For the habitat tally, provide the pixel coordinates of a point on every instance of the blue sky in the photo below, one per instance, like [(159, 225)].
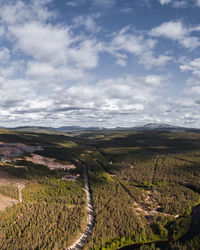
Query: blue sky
[(100, 63)]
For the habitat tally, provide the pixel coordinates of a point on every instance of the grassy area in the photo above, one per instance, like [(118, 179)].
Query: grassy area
[(10, 191)]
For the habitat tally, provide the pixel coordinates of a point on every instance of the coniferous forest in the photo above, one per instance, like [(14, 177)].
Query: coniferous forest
[(145, 189)]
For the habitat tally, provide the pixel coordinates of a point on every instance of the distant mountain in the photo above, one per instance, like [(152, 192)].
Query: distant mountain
[(161, 126), (52, 129), (149, 126), (77, 128), (32, 128)]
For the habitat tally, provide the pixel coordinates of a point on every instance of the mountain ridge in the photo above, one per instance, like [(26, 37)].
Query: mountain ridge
[(147, 126)]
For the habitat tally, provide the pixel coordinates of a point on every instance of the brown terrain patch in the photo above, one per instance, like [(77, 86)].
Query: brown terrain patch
[(145, 208), (6, 202), (8, 150), (7, 179), (50, 162)]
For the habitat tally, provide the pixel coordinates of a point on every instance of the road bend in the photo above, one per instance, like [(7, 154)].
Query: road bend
[(80, 243)]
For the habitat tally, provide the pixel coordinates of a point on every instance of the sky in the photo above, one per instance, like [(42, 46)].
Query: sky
[(105, 63)]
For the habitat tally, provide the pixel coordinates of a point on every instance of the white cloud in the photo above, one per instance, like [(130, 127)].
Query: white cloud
[(126, 40), (179, 4), (73, 4), (172, 30), (153, 80), (174, 3), (193, 66), (175, 30), (52, 67), (104, 3), (149, 60), (45, 72), (88, 22), (2, 31), (55, 40), (121, 60), (165, 1), (129, 41), (86, 54), (59, 46), (4, 55), (20, 12), (112, 94), (123, 96), (198, 3)]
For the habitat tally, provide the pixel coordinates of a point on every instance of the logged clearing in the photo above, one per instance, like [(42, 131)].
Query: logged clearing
[(8, 150), (50, 162), (6, 202), (7, 179)]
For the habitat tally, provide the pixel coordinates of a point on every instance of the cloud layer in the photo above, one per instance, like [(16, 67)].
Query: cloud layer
[(77, 70)]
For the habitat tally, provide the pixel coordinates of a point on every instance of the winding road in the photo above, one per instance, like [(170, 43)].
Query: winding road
[(80, 243)]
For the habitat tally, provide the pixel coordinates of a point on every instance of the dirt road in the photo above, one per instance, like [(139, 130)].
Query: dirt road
[(79, 243), (20, 192)]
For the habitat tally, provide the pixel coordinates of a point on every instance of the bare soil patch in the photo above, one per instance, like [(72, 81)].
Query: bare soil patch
[(50, 162), (8, 150), (6, 202), (7, 179)]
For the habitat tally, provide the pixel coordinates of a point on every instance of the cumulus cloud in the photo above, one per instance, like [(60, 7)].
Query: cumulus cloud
[(193, 66), (122, 96), (180, 3), (153, 80), (165, 1), (4, 55), (54, 67), (20, 12), (46, 72), (172, 30), (54, 41), (88, 22), (129, 41), (176, 31)]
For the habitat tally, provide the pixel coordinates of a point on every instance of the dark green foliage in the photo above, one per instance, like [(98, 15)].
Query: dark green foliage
[(131, 173), (40, 225), (52, 213), (179, 227)]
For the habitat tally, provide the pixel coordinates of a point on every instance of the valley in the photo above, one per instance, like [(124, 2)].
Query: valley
[(100, 189)]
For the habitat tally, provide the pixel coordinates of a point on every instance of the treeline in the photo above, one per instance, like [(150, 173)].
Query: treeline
[(31, 170)]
